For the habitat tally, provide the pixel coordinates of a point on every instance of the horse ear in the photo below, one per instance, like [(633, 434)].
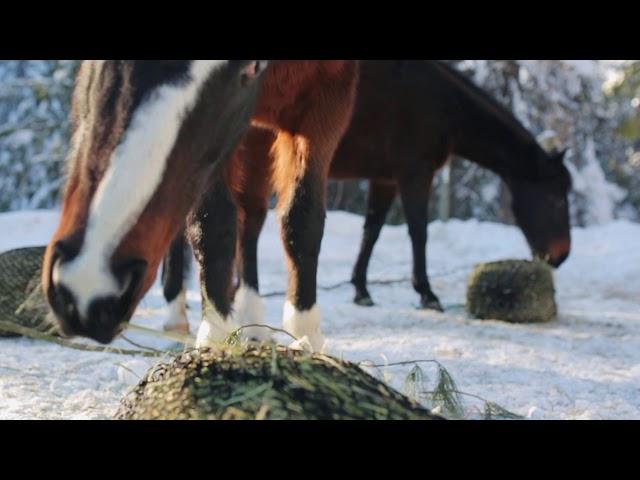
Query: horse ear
[(253, 69), (558, 155)]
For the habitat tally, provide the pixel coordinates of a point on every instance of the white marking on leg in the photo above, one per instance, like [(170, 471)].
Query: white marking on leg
[(248, 309), (177, 319), (214, 329), (304, 325), (135, 171)]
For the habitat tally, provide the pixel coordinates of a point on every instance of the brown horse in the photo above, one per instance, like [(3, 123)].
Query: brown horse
[(409, 117), (149, 149)]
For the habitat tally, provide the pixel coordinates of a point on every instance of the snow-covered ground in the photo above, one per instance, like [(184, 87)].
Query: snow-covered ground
[(586, 365)]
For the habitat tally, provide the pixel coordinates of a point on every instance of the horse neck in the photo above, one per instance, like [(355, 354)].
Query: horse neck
[(496, 150)]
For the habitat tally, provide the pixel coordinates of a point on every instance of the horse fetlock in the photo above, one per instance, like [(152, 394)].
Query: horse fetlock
[(248, 309), (177, 319), (215, 329), (304, 325)]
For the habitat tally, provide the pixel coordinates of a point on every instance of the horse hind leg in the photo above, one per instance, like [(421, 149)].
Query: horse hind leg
[(302, 217), (252, 199), (415, 200), (175, 272), (303, 152), (248, 308), (381, 196)]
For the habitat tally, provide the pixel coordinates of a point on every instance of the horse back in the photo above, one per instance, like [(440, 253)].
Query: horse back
[(404, 113)]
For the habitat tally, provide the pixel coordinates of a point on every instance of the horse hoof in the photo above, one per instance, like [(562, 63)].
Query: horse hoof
[(364, 301), (431, 305)]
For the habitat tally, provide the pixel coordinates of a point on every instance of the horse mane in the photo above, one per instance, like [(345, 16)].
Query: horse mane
[(549, 167), (499, 111)]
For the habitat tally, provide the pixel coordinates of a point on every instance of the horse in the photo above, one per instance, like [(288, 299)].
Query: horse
[(409, 118), (150, 148)]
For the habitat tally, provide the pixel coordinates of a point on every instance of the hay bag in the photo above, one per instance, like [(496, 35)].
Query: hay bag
[(264, 382), (21, 298), (515, 291)]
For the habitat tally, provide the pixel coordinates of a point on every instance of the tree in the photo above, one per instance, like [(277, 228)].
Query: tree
[(34, 130)]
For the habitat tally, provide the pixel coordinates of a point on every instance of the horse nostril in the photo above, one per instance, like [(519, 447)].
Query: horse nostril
[(66, 301), (64, 306), (104, 318), (64, 251), (130, 274)]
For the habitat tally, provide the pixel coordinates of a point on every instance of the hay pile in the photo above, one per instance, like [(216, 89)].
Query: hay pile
[(21, 298), (264, 382), (515, 291)]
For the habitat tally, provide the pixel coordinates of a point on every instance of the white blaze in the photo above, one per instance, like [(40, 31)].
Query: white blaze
[(135, 171)]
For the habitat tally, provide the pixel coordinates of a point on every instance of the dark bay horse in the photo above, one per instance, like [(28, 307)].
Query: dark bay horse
[(151, 146), (409, 118)]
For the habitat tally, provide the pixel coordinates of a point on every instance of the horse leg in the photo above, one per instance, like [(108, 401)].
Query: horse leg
[(248, 308), (212, 231), (381, 196), (415, 200), (175, 271), (252, 198), (302, 216)]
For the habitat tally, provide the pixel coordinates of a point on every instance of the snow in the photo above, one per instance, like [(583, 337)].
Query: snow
[(600, 195), (586, 365)]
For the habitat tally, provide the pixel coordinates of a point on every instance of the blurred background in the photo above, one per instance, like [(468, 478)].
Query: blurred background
[(591, 107)]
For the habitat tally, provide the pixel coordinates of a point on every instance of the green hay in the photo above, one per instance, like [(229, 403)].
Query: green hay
[(21, 298), (512, 290), (446, 397), (264, 382), (493, 411), (414, 384)]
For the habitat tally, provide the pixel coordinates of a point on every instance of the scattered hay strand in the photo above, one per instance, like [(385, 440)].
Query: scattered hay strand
[(19, 330)]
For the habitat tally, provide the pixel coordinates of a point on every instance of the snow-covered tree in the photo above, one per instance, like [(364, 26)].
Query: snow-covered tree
[(590, 107), (34, 110), (622, 89), (563, 104)]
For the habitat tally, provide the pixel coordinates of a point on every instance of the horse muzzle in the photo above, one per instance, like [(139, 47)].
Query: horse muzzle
[(556, 254), (101, 318)]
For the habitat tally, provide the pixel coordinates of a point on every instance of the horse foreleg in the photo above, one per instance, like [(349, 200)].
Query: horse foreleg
[(175, 271), (381, 196), (212, 231), (415, 194)]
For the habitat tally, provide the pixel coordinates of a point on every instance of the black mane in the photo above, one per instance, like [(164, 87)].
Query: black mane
[(550, 166), (483, 97)]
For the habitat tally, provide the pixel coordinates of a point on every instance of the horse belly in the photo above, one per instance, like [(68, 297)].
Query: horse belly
[(360, 164)]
